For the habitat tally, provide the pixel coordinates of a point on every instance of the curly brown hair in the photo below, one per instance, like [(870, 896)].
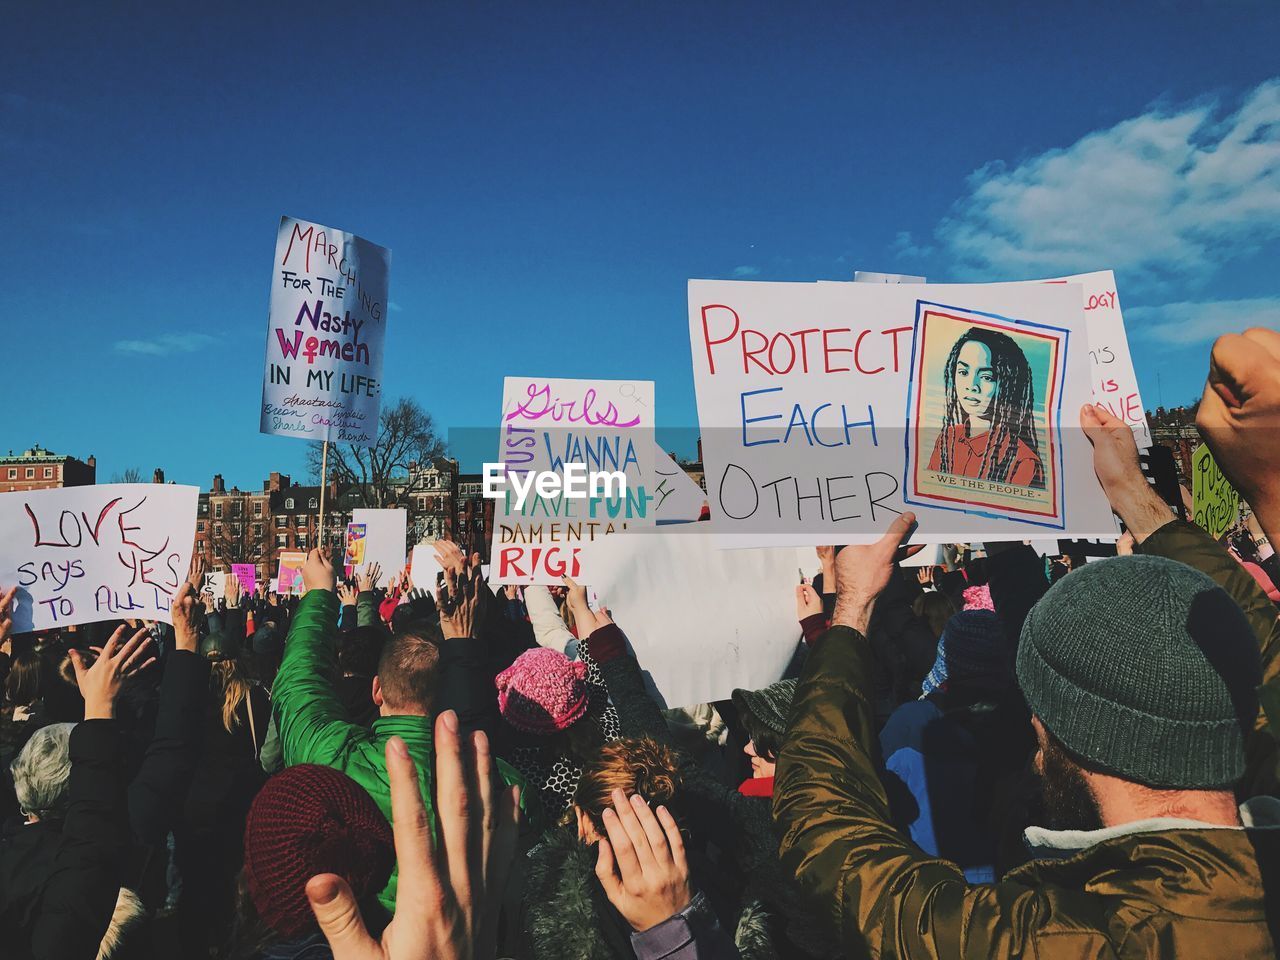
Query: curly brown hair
[(639, 765)]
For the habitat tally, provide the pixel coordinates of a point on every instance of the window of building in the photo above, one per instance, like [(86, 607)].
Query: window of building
[(282, 540), (217, 510), (31, 472), (199, 526), (257, 529), (302, 541), (217, 529), (48, 473), (280, 522), (13, 473), (235, 508), (257, 508), (313, 504), (288, 504)]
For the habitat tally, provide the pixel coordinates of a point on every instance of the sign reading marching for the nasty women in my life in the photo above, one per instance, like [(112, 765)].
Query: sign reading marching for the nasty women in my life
[(606, 426), (323, 377), (83, 554), (826, 409)]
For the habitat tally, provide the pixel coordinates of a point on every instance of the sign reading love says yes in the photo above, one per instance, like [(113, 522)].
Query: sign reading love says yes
[(83, 554)]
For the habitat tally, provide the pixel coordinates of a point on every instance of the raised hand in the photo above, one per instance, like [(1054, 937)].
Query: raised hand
[(1115, 461), (862, 572), (6, 619), (231, 590), (807, 601), (102, 682), (1239, 417), (576, 598), (347, 594), (642, 865), (449, 554), (459, 598), (447, 899), (317, 572), (186, 633)]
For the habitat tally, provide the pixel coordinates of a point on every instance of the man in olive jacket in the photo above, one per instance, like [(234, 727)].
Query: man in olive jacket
[(1140, 674)]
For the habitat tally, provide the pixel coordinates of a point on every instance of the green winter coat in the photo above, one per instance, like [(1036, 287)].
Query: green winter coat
[(1152, 889), (314, 727)]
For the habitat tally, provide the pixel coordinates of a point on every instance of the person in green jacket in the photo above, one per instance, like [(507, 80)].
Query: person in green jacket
[(314, 727), (1140, 674)]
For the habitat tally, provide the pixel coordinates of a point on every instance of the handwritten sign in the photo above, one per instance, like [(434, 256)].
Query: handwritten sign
[(83, 554), (1216, 502), (215, 584), (1115, 384), (289, 573), (323, 377), (605, 425), (247, 574), (826, 409)]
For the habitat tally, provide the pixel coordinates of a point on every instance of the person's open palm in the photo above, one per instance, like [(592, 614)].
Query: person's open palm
[(102, 682), (642, 865), (862, 572), (317, 572), (448, 897)]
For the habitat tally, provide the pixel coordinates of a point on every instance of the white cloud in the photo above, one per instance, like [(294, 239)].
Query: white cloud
[(904, 245), (166, 344), (1167, 196), (394, 307), (746, 271), (1184, 324)]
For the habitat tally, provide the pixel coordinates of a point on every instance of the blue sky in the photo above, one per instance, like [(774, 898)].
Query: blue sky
[(548, 176)]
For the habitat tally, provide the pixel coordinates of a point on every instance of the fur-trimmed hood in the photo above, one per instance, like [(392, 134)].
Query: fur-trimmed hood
[(568, 917)]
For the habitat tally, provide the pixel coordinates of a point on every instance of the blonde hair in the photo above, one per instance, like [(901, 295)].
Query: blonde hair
[(232, 688), (639, 765)]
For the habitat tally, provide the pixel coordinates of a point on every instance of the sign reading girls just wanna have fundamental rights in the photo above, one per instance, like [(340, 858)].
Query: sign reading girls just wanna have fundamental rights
[(323, 374)]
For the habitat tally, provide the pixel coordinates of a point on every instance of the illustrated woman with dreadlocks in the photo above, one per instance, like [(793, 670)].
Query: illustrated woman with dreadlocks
[(987, 430)]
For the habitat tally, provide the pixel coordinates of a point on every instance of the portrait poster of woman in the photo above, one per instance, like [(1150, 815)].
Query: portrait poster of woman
[(982, 431)]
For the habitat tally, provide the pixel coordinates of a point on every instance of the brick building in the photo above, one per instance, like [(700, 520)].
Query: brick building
[(41, 469), (429, 494)]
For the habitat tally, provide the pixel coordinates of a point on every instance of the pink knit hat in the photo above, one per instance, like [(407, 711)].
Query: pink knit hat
[(978, 598), (543, 691)]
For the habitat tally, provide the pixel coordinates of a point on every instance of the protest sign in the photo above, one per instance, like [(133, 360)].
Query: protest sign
[(215, 584), (676, 498), (83, 554), (323, 376), (423, 566), (825, 409), (1115, 384), (247, 574), (727, 618), (353, 555), (289, 574), (1215, 501), (604, 425), (385, 536)]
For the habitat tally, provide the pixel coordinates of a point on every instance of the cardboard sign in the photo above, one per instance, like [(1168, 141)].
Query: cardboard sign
[(826, 409), (289, 574), (84, 554), (353, 556), (606, 425), (385, 535), (247, 574), (323, 376), (1216, 502)]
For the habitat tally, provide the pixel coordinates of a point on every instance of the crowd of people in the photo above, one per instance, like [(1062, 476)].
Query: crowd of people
[(1000, 757)]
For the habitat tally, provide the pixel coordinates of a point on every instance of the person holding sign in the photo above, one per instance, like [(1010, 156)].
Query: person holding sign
[(1149, 854)]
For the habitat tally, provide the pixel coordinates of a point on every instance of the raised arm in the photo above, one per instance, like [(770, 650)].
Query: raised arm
[(313, 726)]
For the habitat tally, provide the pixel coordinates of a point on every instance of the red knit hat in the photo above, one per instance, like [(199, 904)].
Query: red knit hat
[(307, 820), (543, 691)]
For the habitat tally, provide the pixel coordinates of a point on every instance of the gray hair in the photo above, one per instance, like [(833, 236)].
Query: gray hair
[(42, 772)]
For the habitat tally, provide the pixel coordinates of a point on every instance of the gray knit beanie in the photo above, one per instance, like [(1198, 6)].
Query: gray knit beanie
[(1146, 668)]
